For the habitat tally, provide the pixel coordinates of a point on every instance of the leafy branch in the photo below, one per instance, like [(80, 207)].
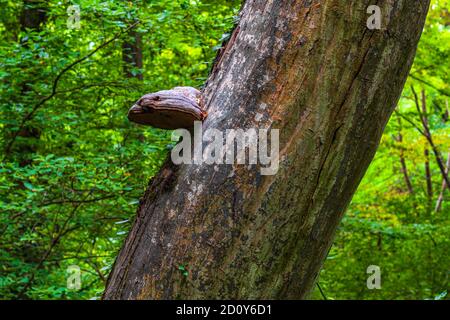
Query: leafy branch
[(54, 91)]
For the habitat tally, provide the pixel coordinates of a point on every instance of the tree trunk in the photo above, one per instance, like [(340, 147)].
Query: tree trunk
[(132, 55), (443, 187), (404, 167), (32, 17), (426, 132), (426, 153), (313, 70), (447, 169), (34, 13), (428, 178)]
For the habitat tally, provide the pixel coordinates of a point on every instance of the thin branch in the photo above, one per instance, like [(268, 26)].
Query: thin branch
[(54, 92), (91, 85), (63, 231), (443, 92), (76, 201), (321, 291), (78, 258), (415, 126)]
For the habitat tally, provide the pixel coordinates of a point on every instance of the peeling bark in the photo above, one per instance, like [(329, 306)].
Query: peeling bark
[(313, 70)]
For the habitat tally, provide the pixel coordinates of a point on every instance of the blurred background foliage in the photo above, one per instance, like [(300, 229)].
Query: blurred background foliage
[(73, 168), (394, 220)]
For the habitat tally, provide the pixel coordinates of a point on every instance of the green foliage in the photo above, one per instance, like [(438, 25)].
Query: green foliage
[(73, 167), (385, 224), (71, 179)]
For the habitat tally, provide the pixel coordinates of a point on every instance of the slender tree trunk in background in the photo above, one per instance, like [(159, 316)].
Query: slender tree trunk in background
[(426, 152), (428, 179), (443, 187), (132, 51), (427, 134), (32, 17), (34, 13), (404, 168), (132, 55), (447, 170), (315, 71), (405, 174)]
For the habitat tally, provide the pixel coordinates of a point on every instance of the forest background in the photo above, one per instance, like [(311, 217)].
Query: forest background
[(73, 167)]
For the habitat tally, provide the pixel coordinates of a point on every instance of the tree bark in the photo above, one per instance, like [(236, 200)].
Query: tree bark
[(404, 167), (313, 70)]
